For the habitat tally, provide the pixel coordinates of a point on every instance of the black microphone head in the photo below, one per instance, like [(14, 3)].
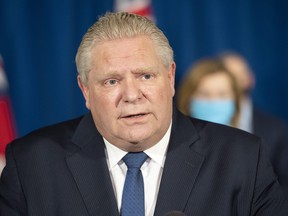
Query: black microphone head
[(175, 213)]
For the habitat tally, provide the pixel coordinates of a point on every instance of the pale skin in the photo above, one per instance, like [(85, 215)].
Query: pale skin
[(129, 93), (214, 86)]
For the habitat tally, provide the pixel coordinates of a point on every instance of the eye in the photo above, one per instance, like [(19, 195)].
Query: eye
[(111, 82), (147, 76)]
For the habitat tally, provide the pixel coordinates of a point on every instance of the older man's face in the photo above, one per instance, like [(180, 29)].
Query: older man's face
[(130, 93)]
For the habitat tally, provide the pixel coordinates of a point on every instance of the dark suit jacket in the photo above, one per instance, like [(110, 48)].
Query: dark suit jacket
[(209, 170), (275, 134)]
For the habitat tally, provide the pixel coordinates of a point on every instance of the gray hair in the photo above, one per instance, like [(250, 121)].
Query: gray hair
[(120, 25)]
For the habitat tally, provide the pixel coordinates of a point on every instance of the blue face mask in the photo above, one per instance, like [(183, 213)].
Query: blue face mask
[(218, 111)]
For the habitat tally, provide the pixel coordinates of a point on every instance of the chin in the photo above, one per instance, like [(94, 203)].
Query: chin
[(135, 139)]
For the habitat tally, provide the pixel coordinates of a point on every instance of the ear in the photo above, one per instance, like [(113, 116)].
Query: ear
[(85, 91), (171, 77)]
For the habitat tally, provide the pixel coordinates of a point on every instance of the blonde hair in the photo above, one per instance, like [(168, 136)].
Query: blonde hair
[(120, 25), (195, 74)]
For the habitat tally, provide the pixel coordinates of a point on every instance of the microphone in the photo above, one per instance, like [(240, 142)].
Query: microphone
[(175, 213)]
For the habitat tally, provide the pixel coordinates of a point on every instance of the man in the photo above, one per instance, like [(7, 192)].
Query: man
[(126, 73), (255, 121)]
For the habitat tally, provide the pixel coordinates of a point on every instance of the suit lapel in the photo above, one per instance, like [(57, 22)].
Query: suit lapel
[(90, 171), (181, 167)]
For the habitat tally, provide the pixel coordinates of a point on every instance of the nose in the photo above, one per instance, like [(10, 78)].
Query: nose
[(131, 91)]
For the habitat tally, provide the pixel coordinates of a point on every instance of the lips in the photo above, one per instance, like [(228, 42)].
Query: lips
[(134, 115)]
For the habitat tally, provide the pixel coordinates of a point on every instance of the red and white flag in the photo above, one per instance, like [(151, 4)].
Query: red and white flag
[(141, 7), (7, 126)]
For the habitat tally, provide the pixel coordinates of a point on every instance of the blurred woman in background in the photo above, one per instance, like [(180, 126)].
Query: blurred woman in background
[(210, 92)]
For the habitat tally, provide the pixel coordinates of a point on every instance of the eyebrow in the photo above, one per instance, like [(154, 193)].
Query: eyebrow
[(144, 69)]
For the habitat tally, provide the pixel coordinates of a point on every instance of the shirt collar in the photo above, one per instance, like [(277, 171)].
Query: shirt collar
[(156, 152)]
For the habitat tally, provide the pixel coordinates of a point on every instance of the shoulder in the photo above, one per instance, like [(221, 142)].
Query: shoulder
[(269, 127), (211, 137), (55, 136), (210, 129), (263, 118), (228, 148), (219, 141)]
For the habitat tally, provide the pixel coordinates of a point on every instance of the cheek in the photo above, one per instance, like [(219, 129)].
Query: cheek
[(104, 102), (102, 109), (162, 94)]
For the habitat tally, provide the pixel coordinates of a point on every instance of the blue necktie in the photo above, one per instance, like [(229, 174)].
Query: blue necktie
[(133, 192)]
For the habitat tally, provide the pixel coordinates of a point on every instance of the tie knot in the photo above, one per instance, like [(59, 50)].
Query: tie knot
[(135, 159)]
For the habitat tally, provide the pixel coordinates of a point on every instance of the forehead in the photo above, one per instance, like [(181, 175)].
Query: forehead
[(216, 81), (139, 48)]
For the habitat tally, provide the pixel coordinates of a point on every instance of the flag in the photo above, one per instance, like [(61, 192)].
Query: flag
[(7, 126), (141, 7)]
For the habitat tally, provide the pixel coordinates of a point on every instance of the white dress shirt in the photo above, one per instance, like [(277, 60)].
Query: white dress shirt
[(151, 170)]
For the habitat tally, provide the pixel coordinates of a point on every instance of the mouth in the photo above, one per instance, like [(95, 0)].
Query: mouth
[(138, 115)]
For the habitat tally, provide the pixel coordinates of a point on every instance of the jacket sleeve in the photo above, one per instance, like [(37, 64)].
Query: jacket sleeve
[(268, 197), (12, 200)]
